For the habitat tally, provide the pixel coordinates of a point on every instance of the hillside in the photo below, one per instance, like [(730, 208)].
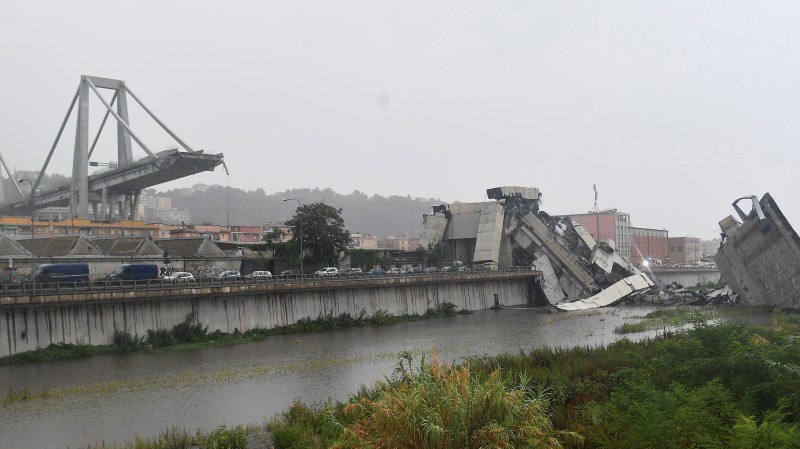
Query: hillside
[(394, 215)]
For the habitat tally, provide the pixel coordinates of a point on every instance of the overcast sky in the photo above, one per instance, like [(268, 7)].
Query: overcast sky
[(673, 108)]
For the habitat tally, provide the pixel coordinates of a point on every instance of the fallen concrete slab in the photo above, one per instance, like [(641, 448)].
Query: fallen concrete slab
[(621, 289)]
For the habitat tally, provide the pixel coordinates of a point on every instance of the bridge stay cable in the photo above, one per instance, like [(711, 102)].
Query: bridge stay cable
[(58, 137)]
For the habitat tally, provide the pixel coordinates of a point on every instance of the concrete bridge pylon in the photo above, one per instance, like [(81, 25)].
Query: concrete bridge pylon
[(113, 193)]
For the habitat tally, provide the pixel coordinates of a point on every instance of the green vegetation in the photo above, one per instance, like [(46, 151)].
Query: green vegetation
[(726, 386), (435, 255), (667, 318), (367, 259), (221, 438), (432, 406), (322, 229), (191, 334)]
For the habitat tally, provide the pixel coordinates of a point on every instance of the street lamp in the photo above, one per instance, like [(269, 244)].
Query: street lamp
[(300, 219), (33, 241)]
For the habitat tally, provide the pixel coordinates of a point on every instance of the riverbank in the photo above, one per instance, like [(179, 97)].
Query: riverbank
[(119, 397), (191, 335), (728, 385)]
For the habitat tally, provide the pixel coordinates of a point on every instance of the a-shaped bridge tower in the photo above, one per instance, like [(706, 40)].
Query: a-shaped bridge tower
[(113, 193)]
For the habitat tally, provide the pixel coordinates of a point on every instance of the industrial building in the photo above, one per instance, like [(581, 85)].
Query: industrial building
[(608, 224), (649, 245), (685, 250)]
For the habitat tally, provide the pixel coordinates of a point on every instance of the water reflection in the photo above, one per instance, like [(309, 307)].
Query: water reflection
[(121, 396)]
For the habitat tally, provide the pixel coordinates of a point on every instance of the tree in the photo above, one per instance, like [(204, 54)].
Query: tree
[(322, 231), (274, 238), (434, 255)]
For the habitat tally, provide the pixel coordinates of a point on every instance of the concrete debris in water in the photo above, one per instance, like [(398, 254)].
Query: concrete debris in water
[(512, 231), (759, 258), (676, 294)]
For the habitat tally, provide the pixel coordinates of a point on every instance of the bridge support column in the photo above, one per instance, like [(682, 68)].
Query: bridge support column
[(80, 162), (135, 205)]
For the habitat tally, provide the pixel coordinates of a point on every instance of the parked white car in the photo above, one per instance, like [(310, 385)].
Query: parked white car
[(179, 276), (259, 275), (327, 272)]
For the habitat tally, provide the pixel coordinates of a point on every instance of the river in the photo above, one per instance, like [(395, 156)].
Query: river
[(117, 397)]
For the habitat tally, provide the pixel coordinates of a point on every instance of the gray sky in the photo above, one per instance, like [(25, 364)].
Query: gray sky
[(673, 109)]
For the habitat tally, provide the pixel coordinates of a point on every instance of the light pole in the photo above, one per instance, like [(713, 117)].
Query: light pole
[(300, 219), (33, 240)]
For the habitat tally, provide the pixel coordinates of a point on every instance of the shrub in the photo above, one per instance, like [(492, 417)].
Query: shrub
[(302, 428), (227, 438), (772, 433), (160, 338), (189, 331), (126, 341), (448, 407)]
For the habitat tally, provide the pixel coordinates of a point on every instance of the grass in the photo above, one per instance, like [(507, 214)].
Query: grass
[(190, 334), (666, 318), (222, 437)]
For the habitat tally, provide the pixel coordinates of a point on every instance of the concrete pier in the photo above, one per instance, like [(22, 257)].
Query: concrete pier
[(31, 322)]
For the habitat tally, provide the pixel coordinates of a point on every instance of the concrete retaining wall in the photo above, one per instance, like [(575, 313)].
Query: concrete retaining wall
[(696, 277), (93, 320)]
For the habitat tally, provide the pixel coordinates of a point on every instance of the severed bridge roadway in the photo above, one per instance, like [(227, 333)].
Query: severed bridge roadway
[(147, 172)]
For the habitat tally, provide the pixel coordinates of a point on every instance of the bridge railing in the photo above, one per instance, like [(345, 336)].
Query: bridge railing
[(55, 288)]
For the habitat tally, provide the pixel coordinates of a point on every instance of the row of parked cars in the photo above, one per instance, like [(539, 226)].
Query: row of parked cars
[(232, 275), (79, 273), (378, 271)]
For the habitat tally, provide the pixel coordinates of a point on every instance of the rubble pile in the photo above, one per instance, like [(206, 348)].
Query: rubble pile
[(676, 294), (577, 272)]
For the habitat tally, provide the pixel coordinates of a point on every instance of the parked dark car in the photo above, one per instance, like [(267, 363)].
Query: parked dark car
[(61, 273), (289, 274), (355, 272), (228, 276), (377, 272), (432, 270), (134, 272)]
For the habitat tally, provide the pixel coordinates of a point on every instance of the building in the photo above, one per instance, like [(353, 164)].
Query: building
[(363, 241), (651, 245), (709, 248), (285, 231), (74, 226), (172, 215), (399, 243), (612, 225), (247, 234), (684, 250)]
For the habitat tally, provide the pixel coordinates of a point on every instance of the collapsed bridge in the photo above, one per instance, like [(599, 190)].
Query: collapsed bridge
[(116, 190), (577, 271)]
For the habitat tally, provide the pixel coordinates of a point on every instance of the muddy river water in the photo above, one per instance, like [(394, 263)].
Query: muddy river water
[(116, 397)]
